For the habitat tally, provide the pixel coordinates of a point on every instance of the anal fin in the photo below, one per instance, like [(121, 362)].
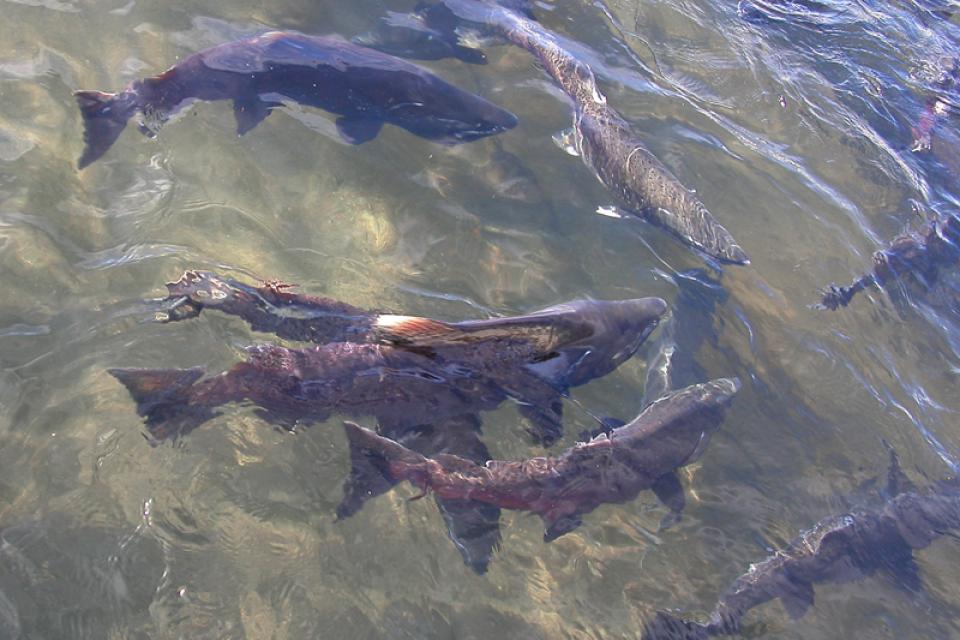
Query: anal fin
[(357, 129), (669, 491), (250, 111), (555, 525)]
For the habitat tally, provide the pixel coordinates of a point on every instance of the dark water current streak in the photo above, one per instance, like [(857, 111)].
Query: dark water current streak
[(231, 533)]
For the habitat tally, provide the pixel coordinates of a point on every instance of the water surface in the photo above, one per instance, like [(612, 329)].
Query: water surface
[(796, 135)]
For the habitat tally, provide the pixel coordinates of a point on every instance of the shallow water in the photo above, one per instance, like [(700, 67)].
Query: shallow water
[(795, 133)]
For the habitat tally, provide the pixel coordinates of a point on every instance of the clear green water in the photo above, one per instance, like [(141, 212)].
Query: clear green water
[(231, 533)]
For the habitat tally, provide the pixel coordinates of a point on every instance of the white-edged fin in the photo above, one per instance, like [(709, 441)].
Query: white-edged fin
[(610, 211), (566, 140)]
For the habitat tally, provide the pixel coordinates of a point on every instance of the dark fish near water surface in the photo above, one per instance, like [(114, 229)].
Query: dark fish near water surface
[(919, 255), (365, 87), (612, 467), (837, 549), (642, 184)]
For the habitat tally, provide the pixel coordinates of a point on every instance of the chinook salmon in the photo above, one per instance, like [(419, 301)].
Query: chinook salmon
[(837, 549), (423, 380), (612, 467), (416, 374), (919, 255), (641, 183), (365, 87)]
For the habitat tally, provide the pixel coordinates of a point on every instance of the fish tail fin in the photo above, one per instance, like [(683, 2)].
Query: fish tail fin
[(665, 626), (163, 397), (105, 116), (370, 469)]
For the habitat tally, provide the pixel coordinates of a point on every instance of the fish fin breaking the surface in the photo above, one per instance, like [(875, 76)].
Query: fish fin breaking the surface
[(163, 398), (358, 130), (250, 111), (105, 116)]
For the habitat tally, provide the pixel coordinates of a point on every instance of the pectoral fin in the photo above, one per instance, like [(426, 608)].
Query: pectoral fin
[(556, 525), (357, 130), (669, 491), (566, 140), (250, 111)]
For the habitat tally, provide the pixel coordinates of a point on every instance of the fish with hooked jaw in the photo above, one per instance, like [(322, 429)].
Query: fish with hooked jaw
[(837, 549), (612, 467), (365, 87)]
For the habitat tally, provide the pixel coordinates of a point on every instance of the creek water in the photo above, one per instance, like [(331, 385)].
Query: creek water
[(793, 127)]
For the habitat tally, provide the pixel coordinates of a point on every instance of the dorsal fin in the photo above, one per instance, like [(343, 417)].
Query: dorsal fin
[(544, 331)]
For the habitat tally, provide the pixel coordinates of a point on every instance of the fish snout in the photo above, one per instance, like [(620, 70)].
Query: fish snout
[(200, 287)]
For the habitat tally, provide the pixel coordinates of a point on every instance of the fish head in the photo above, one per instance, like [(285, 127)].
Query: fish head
[(674, 430), (609, 332), (197, 289), (449, 115)]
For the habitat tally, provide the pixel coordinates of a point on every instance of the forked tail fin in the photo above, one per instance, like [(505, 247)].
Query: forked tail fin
[(163, 397), (665, 626), (370, 472), (105, 116)]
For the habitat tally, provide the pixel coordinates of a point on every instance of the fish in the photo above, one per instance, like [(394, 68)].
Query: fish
[(413, 375), (364, 87), (920, 255), (414, 36), (838, 549), (604, 140), (434, 32), (611, 468), (371, 363), (937, 106), (567, 344)]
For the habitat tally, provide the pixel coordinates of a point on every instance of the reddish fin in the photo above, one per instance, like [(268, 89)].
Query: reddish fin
[(105, 116), (542, 330), (163, 397)]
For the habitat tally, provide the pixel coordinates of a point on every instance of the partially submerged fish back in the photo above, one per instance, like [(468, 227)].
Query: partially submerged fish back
[(703, 402)]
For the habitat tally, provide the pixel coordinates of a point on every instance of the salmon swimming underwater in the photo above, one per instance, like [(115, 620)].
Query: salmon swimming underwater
[(837, 549), (641, 183), (610, 468), (365, 87), (423, 380), (919, 255)]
